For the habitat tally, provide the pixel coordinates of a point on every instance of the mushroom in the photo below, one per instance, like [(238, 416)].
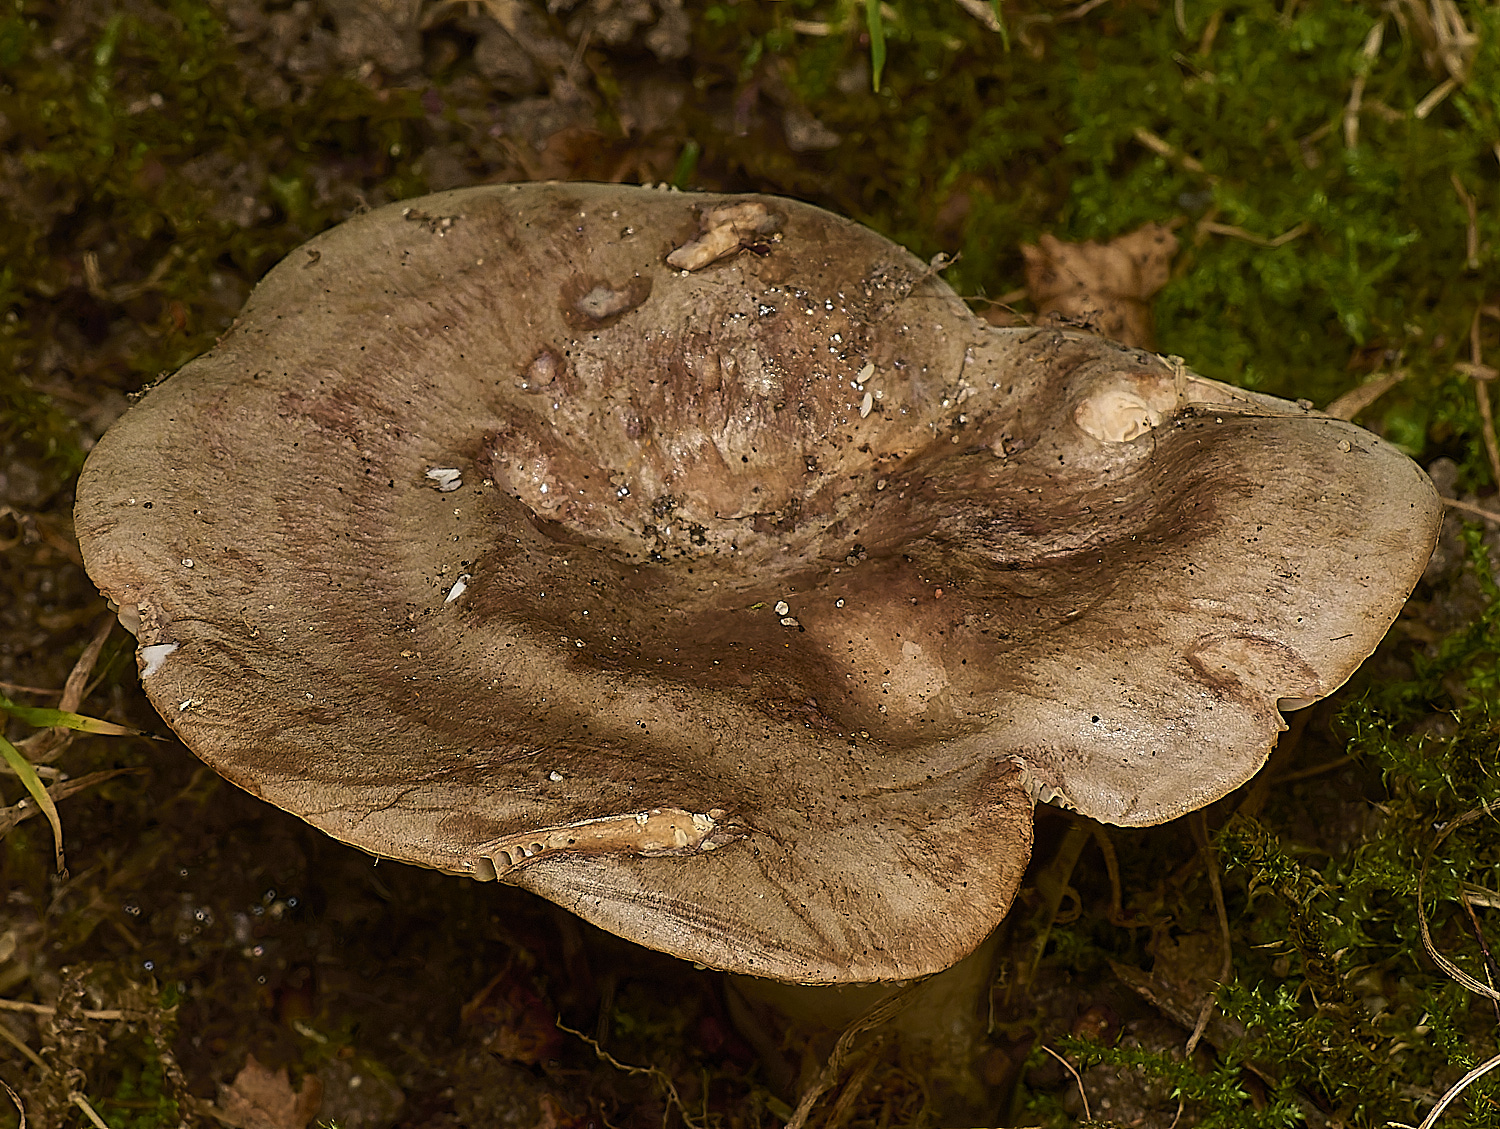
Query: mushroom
[(702, 564)]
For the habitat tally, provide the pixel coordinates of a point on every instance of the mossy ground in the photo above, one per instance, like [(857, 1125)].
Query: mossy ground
[(157, 156)]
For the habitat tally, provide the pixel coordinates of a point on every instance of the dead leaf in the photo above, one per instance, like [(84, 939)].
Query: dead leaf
[(261, 1099), (1107, 286), (513, 1021)]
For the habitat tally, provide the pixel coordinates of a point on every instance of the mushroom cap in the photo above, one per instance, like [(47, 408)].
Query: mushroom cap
[(702, 564)]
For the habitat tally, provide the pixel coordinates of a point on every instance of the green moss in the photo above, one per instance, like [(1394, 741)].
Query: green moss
[(1250, 96), (128, 146)]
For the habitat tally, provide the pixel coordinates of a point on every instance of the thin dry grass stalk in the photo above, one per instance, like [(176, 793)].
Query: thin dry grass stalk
[(1356, 400)]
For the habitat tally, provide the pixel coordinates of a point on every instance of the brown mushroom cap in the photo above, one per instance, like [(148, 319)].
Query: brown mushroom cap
[(702, 564)]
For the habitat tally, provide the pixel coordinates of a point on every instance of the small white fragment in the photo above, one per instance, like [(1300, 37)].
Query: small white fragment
[(153, 656), (838, 603), (1345, 446), (187, 562), (188, 704), (446, 479), (789, 621), (865, 373), (782, 607), (555, 776), (458, 588), (867, 405)]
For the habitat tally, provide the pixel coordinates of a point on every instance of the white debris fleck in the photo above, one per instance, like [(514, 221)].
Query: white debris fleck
[(865, 373), (458, 588), (1345, 446), (555, 776), (446, 478), (187, 562), (782, 607), (866, 406), (789, 621), (154, 656), (188, 703), (838, 603)]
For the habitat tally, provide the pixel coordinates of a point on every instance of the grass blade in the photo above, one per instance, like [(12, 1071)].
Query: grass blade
[(876, 23), (48, 719), (33, 782), (1000, 19)]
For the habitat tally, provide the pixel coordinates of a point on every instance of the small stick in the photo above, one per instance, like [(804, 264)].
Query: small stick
[(1371, 49), (1457, 1088), (1482, 396), (1471, 508), (661, 1077), (1199, 823), (48, 1009), (844, 1106), (15, 1097), (78, 677), (820, 1085), (1213, 228), (1489, 960), (20, 1045), (1068, 1066), (88, 1111), (1472, 237), (1356, 400), (1433, 100), (1164, 148), (1315, 770)]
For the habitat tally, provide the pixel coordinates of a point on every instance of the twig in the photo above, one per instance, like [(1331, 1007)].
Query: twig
[(844, 1106), (1369, 52), (1315, 770), (1212, 228), (820, 1085), (1082, 10), (1435, 99), (72, 696), (88, 1111), (1068, 1066), (1453, 972), (1472, 236), (1457, 1088), (1471, 508), (18, 688), (108, 1014), (1490, 971), (15, 1097), (981, 11), (1164, 148), (1199, 824), (1116, 892), (20, 1045), (26, 808), (1356, 400), (657, 1074), (1482, 395)]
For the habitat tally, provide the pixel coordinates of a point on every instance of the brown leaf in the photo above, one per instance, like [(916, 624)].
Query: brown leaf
[(513, 1021), (261, 1099), (1108, 286)]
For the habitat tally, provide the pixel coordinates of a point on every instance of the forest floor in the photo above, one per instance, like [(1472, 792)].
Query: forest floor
[(209, 959)]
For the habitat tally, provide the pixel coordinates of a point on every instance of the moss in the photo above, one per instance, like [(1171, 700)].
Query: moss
[(158, 173), (1091, 127), (159, 179)]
